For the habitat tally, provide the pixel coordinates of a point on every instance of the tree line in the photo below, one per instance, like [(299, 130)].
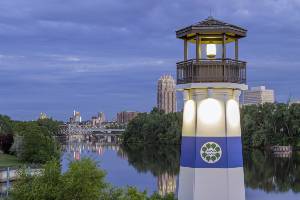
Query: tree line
[(262, 126), (30, 141), (270, 124), (155, 127)]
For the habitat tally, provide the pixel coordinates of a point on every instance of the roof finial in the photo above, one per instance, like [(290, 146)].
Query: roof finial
[(210, 14)]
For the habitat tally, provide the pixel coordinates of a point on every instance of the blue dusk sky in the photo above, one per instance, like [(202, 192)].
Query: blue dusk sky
[(106, 55)]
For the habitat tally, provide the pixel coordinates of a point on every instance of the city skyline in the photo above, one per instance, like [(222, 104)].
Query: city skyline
[(55, 58)]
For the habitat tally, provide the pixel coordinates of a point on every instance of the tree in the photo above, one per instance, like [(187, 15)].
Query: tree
[(36, 145), (40, 187), (83, 181), (154, 128), (52, 126), (270, 124), (6, 133)]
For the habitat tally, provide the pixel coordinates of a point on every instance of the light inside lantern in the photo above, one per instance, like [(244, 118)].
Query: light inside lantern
[(189, 113), (233, 113), (210, 111), (189, 118), (211, 50)]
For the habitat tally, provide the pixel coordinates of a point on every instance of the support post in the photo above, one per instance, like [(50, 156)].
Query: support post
[(223, 58), (236, 43), (199, 48), (198, 52), (223, 47), (185, 50)]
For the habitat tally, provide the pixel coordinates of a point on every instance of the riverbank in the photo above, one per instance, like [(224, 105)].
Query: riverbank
[(262, 126)]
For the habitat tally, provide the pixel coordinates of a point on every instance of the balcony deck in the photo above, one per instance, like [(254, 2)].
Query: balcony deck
[(211, 70)]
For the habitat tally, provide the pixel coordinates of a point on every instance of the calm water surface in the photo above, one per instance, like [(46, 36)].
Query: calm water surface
[(156, 168)]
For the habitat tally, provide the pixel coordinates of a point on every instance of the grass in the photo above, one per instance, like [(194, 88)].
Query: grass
[(9, 161)]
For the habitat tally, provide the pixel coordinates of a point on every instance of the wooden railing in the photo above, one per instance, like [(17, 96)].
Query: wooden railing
[(211, 70)]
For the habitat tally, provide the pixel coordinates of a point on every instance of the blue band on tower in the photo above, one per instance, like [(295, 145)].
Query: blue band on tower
[(211, 152)]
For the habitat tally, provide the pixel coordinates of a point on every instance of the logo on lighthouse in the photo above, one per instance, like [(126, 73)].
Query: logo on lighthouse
[(211, 152)]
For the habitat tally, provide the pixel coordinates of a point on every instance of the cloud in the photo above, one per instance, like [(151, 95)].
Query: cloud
[(90, 51)]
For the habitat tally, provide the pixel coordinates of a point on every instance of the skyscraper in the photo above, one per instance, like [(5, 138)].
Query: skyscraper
[(258, 95), (126, 116), (98, 120), (76, 118), (166, 94)]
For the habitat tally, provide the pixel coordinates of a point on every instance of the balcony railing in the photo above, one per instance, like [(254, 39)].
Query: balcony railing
[(211, 70)]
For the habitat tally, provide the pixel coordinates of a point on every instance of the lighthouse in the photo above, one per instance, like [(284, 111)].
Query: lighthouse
[(211, 163)]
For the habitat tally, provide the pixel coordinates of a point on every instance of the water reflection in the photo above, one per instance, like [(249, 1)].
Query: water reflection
[(161, 161), (156, 168), (75, 150), (272, 174)]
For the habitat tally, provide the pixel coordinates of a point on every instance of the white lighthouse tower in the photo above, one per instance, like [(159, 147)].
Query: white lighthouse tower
[(211, 165)]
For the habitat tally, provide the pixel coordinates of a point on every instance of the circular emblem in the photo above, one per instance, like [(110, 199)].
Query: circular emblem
[(211, 152)]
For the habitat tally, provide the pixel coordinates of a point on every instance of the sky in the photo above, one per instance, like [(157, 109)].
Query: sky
[(106, 55)]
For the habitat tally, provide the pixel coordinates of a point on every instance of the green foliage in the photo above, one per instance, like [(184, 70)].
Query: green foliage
[(83, 181), (9, 161), (270, 124), (34, 140), (52, 126), (262, 126), (266, 172), (131, 193), (155, 127), (156, 196), (45, 186), (37, 146), (6, 133), (5, 125)]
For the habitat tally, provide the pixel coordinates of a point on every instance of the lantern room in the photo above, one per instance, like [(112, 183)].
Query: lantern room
[(211, 63)]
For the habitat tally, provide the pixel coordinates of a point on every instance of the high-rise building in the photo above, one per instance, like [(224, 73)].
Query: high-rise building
[(98, 120), (258, 95), (76, 118), (166, 94), (126, 116), (294, 102)]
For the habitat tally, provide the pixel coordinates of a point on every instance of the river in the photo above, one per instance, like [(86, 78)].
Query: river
[(156, 168)]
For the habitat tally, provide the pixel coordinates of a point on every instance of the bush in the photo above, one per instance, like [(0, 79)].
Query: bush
[(83, 181)]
